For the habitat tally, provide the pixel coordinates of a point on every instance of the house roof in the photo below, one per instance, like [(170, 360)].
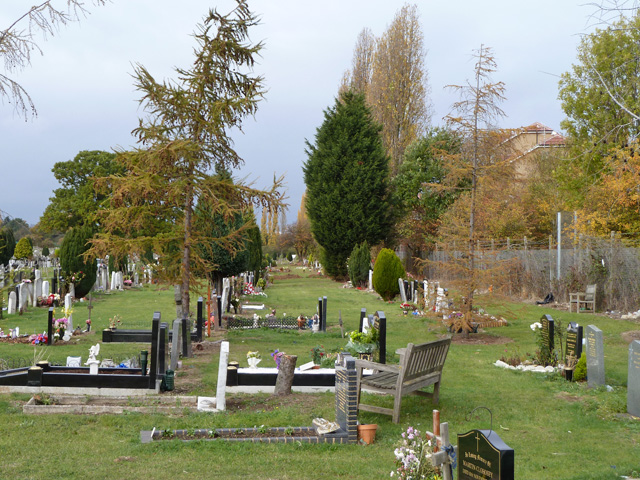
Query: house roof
[(538, 127)]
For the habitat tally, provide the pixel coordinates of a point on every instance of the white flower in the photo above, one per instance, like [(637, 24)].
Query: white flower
[(535, 326)]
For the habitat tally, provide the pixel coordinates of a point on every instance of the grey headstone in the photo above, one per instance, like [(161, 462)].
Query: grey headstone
[(24, 296), (370, 279), (403, 294), (45, 288), (37, 290), (633, 381), (176, 343), (72, 290), (38, 274), (12, 303), (595, 356)]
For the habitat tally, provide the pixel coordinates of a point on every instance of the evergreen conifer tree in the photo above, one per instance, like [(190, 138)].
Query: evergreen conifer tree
[(346, 175)]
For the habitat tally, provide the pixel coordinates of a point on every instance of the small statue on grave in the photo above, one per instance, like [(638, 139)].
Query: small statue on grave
[(93, 352)]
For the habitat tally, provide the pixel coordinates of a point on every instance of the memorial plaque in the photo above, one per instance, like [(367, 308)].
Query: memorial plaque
[(574, 341), (595, 356), (633, 381), (547, 331), (482, 455)]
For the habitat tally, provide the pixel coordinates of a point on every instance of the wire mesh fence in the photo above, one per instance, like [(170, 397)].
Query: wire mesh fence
[(534, 269), (248, 323)]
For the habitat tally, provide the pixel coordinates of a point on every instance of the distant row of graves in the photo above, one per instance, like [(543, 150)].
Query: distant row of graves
[(592, 339)]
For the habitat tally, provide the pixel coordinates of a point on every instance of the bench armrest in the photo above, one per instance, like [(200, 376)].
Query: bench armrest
[(377, 366)]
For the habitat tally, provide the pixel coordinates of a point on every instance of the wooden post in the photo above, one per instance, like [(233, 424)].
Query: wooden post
[(444, 452), (284, 380), (340, 322)]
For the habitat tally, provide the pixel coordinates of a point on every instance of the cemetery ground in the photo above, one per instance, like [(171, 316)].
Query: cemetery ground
[(558, 429)]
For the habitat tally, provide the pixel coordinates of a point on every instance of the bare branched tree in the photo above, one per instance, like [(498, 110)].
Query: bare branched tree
[(19, 41)]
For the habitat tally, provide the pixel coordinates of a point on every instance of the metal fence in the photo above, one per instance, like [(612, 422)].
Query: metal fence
[(531, 270), (248, 323)]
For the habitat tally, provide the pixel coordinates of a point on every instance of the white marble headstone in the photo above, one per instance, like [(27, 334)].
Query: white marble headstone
[(68, 303), (12, 303), (222, 376), (45, 288)]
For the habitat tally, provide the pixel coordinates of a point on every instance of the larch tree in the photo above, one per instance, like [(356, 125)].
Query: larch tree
[(480, 161), (18, 43), (346, 174), (186, 135)]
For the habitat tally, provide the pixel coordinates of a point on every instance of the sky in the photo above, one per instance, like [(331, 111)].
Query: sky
[(83, 89)]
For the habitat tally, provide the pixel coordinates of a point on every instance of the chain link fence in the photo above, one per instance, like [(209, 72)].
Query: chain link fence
[(531, 270)]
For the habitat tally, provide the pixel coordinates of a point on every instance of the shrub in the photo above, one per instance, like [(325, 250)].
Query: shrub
[(359, 264), (580, 372), (45, 251), (386, 272), (73, 263), (24, 249)]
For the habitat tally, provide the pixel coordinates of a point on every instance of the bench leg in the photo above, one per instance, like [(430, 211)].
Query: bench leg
[(396, 408), (436, 392)]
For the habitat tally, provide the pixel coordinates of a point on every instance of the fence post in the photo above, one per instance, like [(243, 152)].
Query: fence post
[(550, 263), (559, 266)]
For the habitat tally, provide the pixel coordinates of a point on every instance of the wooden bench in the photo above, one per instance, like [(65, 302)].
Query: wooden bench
[(585, 300), (420, 366)]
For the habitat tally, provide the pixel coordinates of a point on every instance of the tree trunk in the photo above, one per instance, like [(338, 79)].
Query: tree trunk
[(285, 375), (186, 255)]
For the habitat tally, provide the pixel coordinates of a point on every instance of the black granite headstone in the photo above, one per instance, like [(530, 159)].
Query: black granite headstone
[(155, 334), (50, 327), (482, 455), (199, 320), (547, 331), (324, 314), (382, 337), (363, 315), (574, 340)]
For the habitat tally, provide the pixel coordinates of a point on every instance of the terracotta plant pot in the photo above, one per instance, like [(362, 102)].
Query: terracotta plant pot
[(367, 433)]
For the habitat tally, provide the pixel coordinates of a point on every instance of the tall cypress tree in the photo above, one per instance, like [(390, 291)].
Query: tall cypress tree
[(346, 174)]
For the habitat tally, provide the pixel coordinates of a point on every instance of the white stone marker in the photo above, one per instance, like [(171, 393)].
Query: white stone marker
[(12, 303), (222, 376)]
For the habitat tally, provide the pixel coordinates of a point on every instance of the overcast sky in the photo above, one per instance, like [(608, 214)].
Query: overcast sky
[(83, 90)]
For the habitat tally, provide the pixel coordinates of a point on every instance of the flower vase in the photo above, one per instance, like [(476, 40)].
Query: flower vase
[(253, 362)]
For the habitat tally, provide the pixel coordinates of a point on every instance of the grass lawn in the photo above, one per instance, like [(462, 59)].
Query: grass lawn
[(559, 430)]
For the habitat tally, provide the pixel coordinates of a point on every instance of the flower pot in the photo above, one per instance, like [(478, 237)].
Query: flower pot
[(253, 362), (367, 433)]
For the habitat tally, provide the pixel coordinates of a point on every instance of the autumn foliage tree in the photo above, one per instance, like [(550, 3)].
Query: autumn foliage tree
[(390, 70), (484, 163)]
